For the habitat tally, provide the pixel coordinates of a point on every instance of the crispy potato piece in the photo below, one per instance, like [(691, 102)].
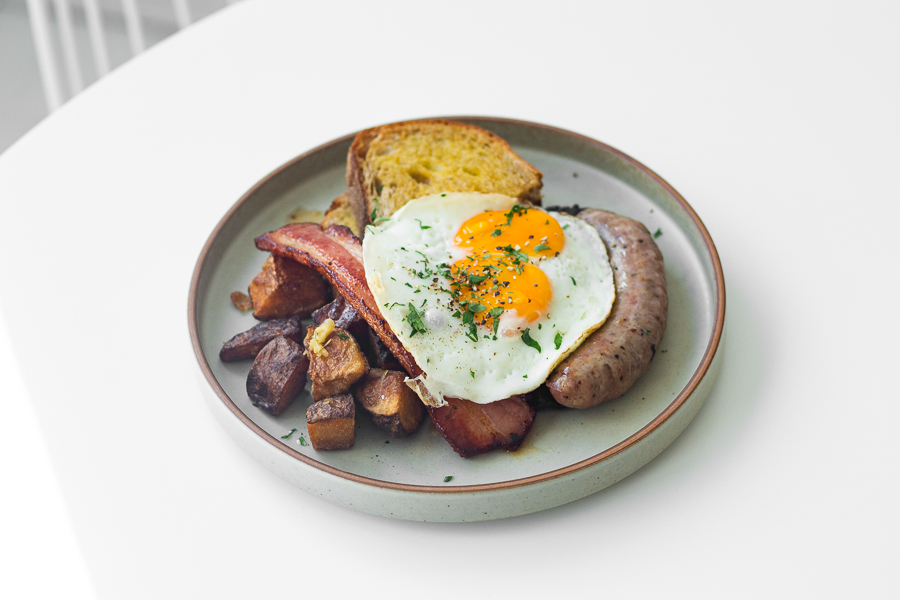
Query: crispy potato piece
[(285, 288), (332, 423), (241, 301), (393, 405), (248, 344), (378, 354), (277, 375), (542, 399), (335, 369), (340, 213), (343, 315)]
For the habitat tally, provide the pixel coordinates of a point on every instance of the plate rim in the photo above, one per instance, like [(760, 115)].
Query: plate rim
[(679, 400)]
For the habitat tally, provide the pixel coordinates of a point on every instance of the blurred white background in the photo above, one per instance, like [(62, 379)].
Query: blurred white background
[(34, 547)]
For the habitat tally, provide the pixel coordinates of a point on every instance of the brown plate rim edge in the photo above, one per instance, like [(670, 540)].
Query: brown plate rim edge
[(676, 403)]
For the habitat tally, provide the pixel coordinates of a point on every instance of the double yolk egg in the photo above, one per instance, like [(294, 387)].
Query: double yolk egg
[(487, 295)]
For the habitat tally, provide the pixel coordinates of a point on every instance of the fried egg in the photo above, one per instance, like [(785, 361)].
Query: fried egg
[(486, 294)]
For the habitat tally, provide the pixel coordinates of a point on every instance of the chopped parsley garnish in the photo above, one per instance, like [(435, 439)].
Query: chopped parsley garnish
[(302, 441), (496, 233), (657, 233), (573, 280), (468, 318), (290, 433), (557, 340), (448, 478), (495, 314), (526, 337), (381, 220), (477, 307), (541, 247), (515, 210), (517, 256), (566, 226), (423, 226), (472, 373), (414, 318), (473, 279), (374, 210), (343, 336)]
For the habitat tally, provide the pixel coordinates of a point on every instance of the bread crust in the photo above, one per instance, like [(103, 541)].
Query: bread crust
[(360, 197)]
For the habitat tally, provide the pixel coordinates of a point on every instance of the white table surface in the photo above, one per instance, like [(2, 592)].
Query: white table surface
[(777, 122)]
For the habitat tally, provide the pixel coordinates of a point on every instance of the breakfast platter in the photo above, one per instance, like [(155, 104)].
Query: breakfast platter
[(568, 453)]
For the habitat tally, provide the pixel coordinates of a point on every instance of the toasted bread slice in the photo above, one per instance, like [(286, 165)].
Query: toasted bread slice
[(390, 165)]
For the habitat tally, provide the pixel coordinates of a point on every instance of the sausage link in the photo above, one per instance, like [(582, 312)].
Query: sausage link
[(614, 356)]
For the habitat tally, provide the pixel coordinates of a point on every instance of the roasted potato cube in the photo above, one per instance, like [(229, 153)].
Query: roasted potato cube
[(335, 360), (332, 423), (285, 288), (542, 399), (277, 375), (378, 354), (392, 404), (248, 344), (344, 316), (341, 213)]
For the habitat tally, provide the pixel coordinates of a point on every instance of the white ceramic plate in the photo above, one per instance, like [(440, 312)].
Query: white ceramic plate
[(569, 453)]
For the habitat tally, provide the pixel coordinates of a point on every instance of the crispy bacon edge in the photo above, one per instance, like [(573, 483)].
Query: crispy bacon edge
[(336, 254)]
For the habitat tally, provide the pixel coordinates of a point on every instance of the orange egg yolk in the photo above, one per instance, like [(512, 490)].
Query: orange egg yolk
[(527, 230), (496, 274)]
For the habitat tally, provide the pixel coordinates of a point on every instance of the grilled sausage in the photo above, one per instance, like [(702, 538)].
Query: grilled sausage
[(614, 356)]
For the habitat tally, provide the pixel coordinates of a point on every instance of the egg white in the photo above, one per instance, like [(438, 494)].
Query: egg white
[(420, 235)]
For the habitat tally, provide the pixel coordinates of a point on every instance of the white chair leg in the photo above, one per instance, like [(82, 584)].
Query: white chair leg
[(95, 32), (182, 14), (40, 29), (133, 26), (67, 39)]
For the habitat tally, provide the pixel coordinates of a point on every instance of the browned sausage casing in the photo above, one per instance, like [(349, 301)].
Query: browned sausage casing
[(614, 356)]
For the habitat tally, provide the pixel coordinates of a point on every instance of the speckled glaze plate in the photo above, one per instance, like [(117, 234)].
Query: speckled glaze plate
[(569, 453)]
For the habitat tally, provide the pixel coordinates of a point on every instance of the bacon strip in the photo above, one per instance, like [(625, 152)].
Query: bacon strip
[(476, 428), (336, 254)]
